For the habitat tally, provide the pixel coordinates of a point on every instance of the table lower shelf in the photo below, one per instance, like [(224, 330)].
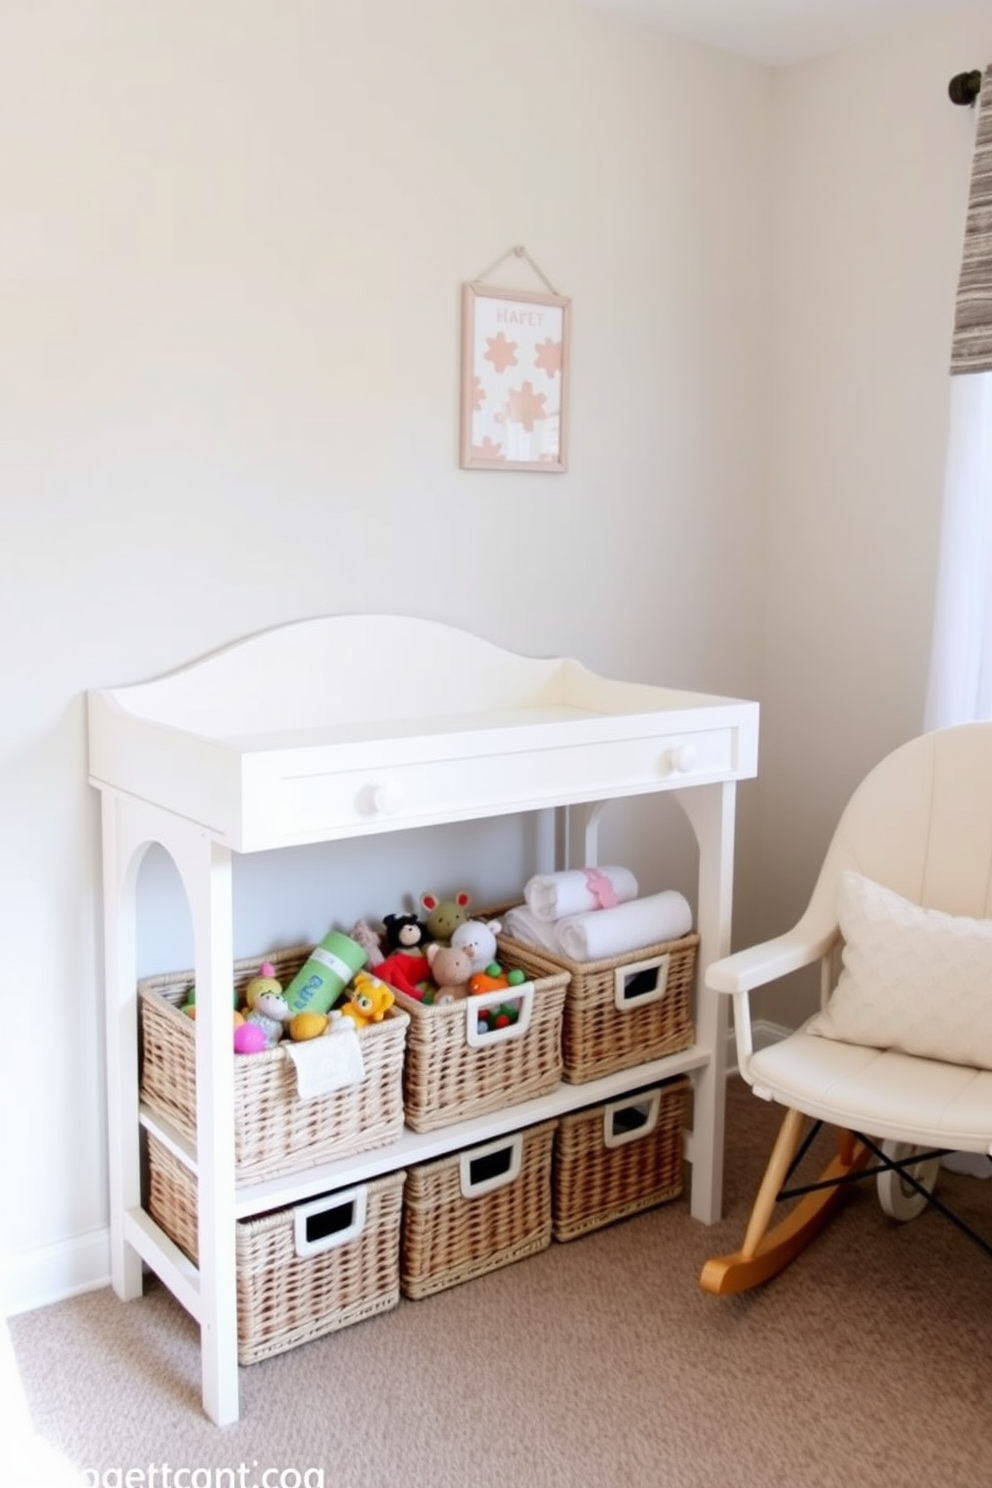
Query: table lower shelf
[(416, 1147)]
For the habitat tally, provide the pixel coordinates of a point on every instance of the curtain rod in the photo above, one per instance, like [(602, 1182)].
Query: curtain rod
[(964, 87)]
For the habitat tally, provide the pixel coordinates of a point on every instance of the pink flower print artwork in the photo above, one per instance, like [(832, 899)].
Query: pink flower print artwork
[(547, 357), (525, 407), (515, 349), (487, 450), (500, 352)]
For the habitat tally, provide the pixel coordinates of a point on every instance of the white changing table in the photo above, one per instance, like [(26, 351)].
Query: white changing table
[(314, 732)]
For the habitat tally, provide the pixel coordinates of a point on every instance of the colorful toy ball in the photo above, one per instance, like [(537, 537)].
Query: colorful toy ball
[(248, 1039)]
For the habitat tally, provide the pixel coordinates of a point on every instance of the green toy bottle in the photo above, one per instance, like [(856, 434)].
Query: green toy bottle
[(318, 984)]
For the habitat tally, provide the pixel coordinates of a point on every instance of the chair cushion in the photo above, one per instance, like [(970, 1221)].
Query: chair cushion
[(877, 1091), (914, 980)]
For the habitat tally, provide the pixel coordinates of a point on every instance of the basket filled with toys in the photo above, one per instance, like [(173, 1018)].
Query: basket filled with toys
[(484, 1033), (317, 1042)]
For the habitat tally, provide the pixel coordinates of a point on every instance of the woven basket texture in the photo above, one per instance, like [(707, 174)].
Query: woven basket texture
[(447, 1238), (446, 1079), (597, 1037), (593, 1184), (285, 1299), (275, 1131)]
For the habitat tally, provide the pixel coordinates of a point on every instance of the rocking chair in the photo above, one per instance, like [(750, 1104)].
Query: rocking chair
[(899, 1058)]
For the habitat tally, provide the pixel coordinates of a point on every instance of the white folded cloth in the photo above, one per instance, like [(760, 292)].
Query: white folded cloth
[(329, 1062), (520, 924), (551, 896), (604, 933), (613, 932)]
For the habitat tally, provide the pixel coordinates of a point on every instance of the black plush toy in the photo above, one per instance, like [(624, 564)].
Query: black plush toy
[(405, 966), (403, 932)]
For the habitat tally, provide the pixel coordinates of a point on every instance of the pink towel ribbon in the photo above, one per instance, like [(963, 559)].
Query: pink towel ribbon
[(601, 889)]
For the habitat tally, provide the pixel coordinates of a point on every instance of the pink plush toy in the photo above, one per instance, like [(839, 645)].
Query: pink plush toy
[(368, 940)]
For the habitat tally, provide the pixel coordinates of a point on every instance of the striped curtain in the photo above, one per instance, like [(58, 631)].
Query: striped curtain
[(971, 350), (959, 687)]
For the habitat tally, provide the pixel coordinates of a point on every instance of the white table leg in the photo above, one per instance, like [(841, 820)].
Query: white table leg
[(122, 854), (710, 810), (130, 826), (206, 872)]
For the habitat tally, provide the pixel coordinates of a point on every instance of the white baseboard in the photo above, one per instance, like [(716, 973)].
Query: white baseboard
[(54, 1272), (51, 1273), (763, 1033)]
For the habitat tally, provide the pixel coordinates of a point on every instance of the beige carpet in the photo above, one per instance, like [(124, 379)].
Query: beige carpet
[(599, 1362)]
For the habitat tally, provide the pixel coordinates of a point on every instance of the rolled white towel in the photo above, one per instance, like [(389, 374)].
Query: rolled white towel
[(551, 896), (606, 933)]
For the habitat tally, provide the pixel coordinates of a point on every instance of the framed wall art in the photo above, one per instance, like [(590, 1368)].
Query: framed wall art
[(515, 350)]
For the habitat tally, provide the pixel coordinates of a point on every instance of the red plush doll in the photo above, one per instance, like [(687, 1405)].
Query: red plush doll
[(405, 965)]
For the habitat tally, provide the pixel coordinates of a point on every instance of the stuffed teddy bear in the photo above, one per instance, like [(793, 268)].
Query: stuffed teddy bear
[(404, 932), (450, 969)]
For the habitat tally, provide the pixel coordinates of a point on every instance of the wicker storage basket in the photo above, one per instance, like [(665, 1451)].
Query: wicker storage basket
[(621, 1012), (616, 1159), (275, 1131), (302, 1271), (453, 1069), (475, 1211)]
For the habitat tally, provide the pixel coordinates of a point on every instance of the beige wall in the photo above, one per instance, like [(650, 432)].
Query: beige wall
[(234, 235), (870, 169)]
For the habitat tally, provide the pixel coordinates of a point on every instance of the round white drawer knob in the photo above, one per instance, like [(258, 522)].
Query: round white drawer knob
[(682, 758), (388, 797)]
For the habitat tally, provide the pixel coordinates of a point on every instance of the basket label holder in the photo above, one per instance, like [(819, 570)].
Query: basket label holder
[(632, 1119), (521, 997), (482, 1170), (330, 1221), (633, 987)]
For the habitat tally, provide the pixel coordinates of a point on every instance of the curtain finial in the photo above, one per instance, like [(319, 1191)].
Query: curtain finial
[(964, 87)]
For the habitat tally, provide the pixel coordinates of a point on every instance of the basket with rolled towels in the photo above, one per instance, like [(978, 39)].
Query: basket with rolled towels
[(630, 958)]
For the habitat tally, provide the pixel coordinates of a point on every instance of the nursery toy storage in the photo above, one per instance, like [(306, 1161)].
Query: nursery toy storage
[(279, 741)]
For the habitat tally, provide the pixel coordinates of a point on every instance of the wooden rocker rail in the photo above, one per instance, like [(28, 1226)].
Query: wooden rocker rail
[(767, 1251)]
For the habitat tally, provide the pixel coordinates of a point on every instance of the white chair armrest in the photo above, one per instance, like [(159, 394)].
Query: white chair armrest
[(758, 965)]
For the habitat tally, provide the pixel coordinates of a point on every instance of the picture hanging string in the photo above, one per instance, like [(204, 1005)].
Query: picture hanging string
[(518, 251)]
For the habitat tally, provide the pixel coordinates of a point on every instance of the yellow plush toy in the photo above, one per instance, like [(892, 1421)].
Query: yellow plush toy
[(369, 999), (265, 981)]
